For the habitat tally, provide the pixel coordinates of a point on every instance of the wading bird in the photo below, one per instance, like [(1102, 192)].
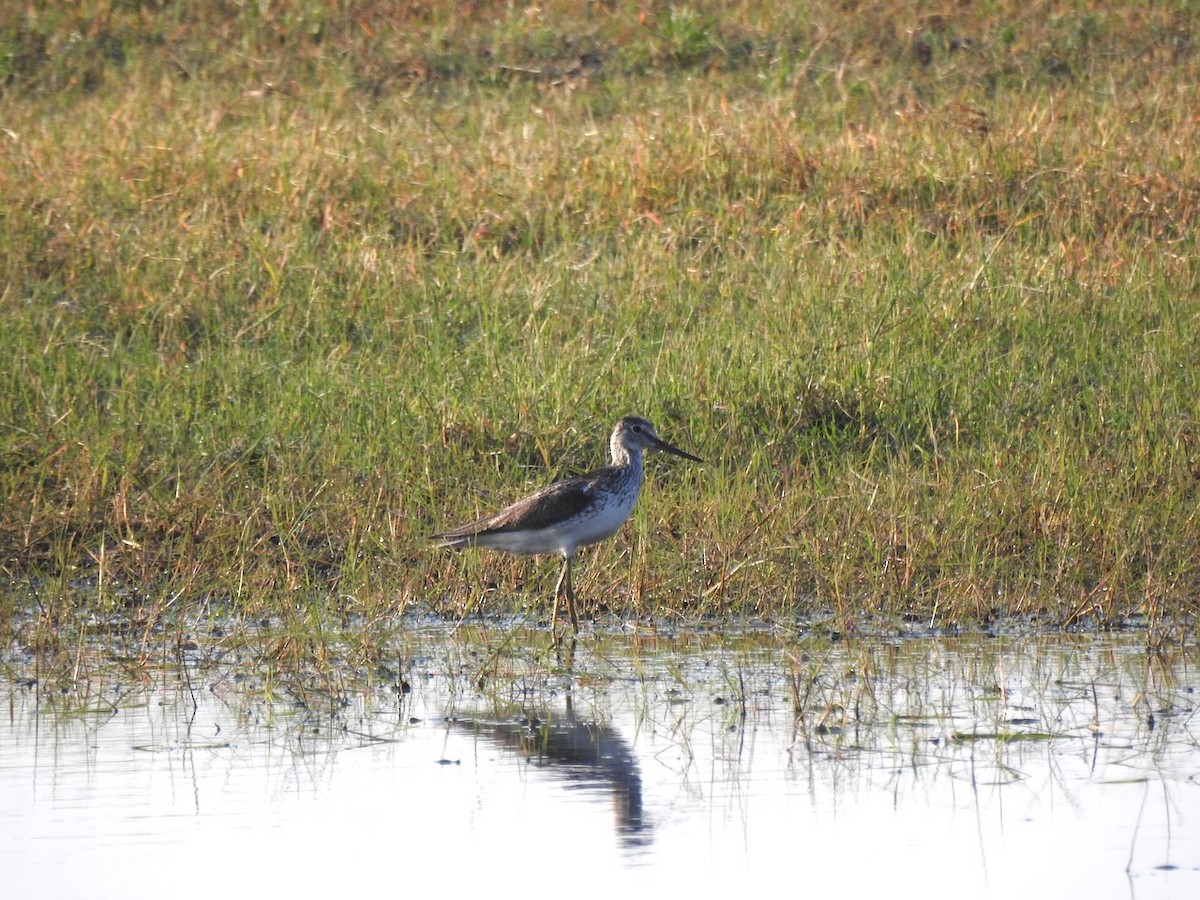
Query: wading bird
[(570, 514)]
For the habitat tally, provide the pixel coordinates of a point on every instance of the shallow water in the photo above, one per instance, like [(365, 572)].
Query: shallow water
[(1047, 766)]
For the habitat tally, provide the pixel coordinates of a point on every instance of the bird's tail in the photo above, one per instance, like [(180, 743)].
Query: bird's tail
[(451, 541)]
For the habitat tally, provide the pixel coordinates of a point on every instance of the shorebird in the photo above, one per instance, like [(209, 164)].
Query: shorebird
[(570, 514)]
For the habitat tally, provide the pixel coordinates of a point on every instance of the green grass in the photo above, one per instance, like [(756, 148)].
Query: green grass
[(287, 286)]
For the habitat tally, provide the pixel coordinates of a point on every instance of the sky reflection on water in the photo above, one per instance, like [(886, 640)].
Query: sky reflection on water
[(1060, 766)]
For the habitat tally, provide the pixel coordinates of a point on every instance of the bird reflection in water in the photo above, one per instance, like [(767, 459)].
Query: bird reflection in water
[(589, 756)]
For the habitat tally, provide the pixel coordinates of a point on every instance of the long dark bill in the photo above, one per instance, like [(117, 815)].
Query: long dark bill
[(660, 444)]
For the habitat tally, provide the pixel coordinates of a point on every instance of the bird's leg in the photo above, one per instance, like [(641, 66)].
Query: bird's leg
[(562, 573), (571, 598), (564, 582)]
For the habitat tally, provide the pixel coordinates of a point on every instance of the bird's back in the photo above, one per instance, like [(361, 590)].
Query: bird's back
[(558, 518)]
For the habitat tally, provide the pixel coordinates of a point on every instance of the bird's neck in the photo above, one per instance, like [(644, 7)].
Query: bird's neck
[(625, 458)]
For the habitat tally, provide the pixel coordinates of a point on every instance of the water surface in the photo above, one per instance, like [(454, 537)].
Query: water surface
[(695, 763)]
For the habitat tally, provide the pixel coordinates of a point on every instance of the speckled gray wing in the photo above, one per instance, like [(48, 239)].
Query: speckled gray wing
[(549, 506)]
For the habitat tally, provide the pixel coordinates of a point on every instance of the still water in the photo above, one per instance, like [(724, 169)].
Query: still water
[(1050, 766)]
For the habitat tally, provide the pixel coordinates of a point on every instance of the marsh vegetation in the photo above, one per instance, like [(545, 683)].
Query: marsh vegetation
[(286, 286)]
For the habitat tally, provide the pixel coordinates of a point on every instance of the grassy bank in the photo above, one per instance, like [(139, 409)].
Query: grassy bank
[(287, 286)]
